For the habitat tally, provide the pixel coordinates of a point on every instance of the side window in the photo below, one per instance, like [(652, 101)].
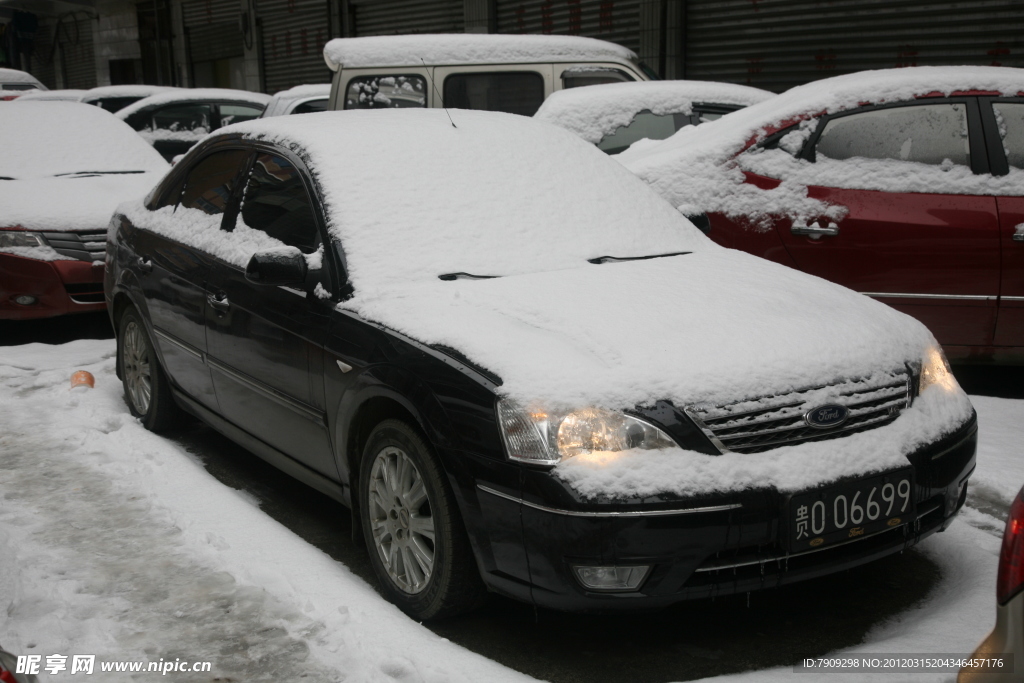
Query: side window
[(276, 202), (514, 92), (211, 182), (927, 134), (383, 92), (1010, 118), (191, 120), (644, 125), (578, 76), (236, 113), (311, 106)]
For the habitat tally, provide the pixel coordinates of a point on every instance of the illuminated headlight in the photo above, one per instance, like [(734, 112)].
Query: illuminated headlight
[(17, 238), (935, 371), (546, 437)]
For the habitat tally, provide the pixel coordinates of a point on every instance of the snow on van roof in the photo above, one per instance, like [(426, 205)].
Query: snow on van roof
[(595, 111), (281, 100), (195, 95), (16, 76), (468, 48), (125, 91)]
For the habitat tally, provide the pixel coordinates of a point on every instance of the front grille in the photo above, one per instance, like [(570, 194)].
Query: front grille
[(757, 425), (88, 245)]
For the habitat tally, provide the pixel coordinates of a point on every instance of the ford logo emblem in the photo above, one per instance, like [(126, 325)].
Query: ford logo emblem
[(827, 416)]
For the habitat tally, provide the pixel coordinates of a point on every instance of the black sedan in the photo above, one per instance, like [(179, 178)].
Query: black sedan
[(523, 371)]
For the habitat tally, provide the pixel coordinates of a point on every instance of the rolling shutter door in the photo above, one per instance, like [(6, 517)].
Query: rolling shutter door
[(776, 44), (293, 34), (211, 27), (78, 54), (391, 17), (617, 21)]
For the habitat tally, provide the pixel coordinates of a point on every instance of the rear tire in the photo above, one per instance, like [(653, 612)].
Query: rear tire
[(414, 533), (147, 390)]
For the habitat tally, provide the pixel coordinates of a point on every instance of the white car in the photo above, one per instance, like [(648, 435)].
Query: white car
[(114, 98), (617, 115), (52, 96), (302, 99), (14, 83)]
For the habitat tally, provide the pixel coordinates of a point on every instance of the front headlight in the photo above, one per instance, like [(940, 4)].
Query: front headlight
[(17, 238), (935, 371), (545, 437)]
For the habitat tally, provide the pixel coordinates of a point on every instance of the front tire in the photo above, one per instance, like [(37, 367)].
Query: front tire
[(417, 543), (146, 388)]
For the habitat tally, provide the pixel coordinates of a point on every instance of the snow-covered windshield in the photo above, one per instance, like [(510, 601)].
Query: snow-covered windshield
[(45, 139), (410, 196)]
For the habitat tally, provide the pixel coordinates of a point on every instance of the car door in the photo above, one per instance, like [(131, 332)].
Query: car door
[(1004, 131), (266, 342), (172, 275), (932, 253)]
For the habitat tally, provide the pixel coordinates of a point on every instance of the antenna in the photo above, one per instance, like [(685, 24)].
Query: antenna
[(430, 77)]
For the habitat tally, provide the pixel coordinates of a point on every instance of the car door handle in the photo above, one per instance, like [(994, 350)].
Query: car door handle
[(815, 231), (144, 263), (218, 301)]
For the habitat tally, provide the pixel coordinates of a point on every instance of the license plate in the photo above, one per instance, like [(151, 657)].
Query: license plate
[(850, 510)]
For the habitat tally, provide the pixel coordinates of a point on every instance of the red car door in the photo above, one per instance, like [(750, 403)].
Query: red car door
[(909, 237)]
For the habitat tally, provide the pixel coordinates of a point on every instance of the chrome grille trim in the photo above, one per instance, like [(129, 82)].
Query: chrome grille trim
[(85, 245), (757, 425)]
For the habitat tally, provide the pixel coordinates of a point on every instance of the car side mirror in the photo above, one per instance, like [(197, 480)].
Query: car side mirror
[(280, 266)]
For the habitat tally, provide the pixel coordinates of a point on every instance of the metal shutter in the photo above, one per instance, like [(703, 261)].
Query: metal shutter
[(212, 29), (293, 34), (776, 44), (391, 17), (78, 54), (617, 21)]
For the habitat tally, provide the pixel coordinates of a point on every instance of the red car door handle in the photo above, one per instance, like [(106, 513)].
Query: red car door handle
[(815, 231)]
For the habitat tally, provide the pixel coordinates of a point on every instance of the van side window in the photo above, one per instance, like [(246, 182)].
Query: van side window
[(513, 92), (383, 92), (578, 76)]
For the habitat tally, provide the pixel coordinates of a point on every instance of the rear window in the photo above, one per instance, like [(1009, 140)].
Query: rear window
[(385, 92), (513, 92), (113, 104), (644, 125), (311, 106)]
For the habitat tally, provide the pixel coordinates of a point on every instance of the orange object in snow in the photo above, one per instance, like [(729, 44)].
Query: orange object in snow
[(83, 379)]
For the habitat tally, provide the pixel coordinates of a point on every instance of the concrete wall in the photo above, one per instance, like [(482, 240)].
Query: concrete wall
[(115, 36)]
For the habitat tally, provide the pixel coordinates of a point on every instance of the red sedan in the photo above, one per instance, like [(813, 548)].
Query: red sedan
[(906, 185), (64, 168)]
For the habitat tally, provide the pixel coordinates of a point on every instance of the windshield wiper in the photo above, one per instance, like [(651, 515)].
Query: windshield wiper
[(616, 259), (447, 277), (58, 175)]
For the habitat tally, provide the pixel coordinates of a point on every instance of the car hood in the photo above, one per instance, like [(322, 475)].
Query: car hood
[(69, 203), (715, 325)]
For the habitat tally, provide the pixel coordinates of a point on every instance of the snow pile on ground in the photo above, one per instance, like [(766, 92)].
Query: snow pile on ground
[(116, 542), (695, 171), (596, 111), (468, 48), (195, 95)]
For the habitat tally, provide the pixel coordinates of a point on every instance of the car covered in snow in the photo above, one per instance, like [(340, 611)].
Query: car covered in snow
[(492, 72), (302, 99), (114, 98), (618, 115), (64, 169), (906, 185), (174, 121), (565, 394), (51, 95), (14, 83)]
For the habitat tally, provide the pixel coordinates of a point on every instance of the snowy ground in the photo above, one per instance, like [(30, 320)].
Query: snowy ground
[(116, 542)]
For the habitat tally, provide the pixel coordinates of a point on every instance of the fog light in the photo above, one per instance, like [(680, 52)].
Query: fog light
[(25, 300), (612, 578)]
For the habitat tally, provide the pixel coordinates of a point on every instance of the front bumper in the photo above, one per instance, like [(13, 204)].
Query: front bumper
[(703, 548), (59, 287)]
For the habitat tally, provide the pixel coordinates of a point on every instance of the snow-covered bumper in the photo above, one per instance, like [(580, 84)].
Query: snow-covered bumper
[(31, 288), (696, 547)]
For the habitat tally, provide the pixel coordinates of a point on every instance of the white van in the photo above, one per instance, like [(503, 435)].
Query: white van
[(509, 73)]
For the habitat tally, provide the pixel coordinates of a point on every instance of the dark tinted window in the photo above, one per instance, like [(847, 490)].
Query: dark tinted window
[(927, 134), (113, 104), (277, 203), (514, 92), (579, 76), (383, 92), (18, 86), (1010, 117), (236, 113), (311, 106), (644, 125), (210, 183), (182, 117)]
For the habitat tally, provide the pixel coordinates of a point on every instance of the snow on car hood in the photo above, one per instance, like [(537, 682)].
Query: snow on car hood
[(69, 203)]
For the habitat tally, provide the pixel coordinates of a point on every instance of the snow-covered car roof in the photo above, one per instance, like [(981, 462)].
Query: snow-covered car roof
[(195, 95), (690, 168), (16, 76), (595, 111), (468, 48), (283, 100), (37, 95), (94, 94), (67, 165)]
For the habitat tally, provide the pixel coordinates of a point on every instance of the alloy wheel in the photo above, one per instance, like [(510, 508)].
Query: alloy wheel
[(136, 367)]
